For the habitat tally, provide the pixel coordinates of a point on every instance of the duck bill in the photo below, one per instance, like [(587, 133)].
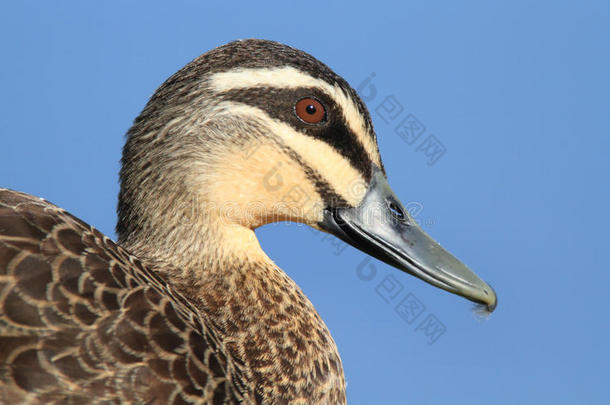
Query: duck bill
[(381, 227)]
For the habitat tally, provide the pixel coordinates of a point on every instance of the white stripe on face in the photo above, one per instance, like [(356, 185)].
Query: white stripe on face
[(289, 77)]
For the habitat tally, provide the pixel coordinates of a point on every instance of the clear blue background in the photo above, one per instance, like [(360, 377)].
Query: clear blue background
[(517, 92)]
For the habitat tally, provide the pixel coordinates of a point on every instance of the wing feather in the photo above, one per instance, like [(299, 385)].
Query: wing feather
[(83, 321)]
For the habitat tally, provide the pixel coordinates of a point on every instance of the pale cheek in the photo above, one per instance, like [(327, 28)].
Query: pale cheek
[(263, 186)]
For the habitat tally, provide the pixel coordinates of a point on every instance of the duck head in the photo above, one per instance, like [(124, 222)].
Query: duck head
[(256, 132)]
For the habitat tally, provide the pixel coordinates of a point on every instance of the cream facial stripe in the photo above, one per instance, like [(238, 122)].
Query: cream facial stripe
[(290, 77), (344, 179)]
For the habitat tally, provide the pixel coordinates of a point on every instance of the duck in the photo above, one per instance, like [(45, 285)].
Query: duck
[(185, 307)]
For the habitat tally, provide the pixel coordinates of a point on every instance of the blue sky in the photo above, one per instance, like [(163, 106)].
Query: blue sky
[(516, 94)]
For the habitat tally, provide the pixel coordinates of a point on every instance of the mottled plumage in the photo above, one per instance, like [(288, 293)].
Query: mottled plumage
[(83, 321)]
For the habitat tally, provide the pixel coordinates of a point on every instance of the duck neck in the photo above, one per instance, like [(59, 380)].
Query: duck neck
[(263, 316)]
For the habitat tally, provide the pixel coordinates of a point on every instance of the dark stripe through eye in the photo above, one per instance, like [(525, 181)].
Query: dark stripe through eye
[(281, 104)]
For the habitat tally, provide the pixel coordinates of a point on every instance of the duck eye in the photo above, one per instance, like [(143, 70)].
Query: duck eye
[(310, 110)]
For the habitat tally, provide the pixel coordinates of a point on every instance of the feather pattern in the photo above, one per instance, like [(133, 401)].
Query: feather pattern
[(82, 320)]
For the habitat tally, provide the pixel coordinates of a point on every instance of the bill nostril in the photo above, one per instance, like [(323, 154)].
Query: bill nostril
[(396, 210)]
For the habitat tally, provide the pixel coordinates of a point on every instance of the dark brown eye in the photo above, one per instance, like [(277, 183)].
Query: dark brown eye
[(310, 111)]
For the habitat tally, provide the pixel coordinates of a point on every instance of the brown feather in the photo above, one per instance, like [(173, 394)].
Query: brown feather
[(82, 321)]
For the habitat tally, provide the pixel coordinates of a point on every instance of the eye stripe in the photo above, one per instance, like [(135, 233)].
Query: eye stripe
[(278, 102), (288, 76)]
